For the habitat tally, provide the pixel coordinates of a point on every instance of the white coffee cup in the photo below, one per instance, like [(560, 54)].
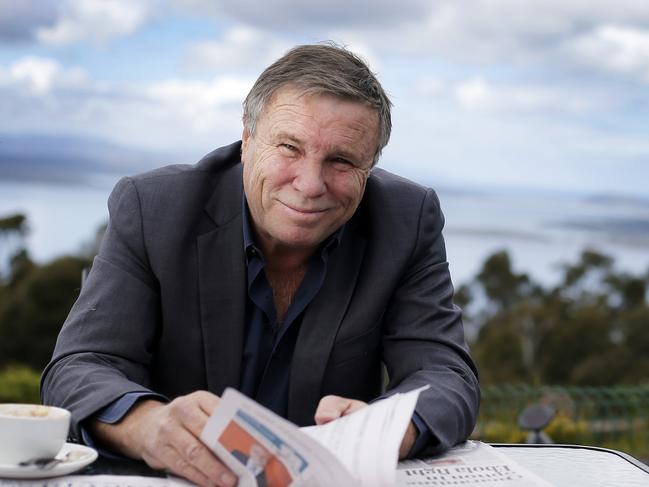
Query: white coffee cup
[(30, 431)]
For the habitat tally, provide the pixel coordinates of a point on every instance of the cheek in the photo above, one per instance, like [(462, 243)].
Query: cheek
[(248, 179), (350, 190), (265, 178)]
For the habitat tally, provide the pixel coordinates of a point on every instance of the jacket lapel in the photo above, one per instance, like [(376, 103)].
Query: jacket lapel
[(222, 281), (320, 326)]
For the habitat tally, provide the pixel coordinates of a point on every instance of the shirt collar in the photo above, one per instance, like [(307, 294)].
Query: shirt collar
[(251, 250)]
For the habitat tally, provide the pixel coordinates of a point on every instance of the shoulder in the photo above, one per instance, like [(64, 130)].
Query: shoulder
[(213, 163), (381, 179), (173, 194), (181, 181), (394, 197)]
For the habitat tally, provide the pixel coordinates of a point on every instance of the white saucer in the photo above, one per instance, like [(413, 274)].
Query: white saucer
[(78, 456)]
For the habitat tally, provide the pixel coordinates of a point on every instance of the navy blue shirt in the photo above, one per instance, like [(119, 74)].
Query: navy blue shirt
[(269, 344)]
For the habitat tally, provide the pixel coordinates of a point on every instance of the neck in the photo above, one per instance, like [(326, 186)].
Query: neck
[(279, 258)]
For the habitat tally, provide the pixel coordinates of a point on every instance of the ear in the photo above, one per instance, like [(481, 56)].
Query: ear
[(245, 138)]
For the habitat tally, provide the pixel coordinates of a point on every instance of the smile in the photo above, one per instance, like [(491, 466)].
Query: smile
[(304, 211)]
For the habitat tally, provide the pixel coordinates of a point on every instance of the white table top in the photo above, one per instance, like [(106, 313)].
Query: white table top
[(576, 466)]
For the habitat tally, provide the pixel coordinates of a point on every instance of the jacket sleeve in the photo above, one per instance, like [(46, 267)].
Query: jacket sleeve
[(423, 338), (105, 347)]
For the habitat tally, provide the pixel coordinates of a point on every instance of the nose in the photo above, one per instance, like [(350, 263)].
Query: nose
[(309, 178)]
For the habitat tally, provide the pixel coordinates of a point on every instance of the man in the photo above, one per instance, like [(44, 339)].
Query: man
[(286, 266)]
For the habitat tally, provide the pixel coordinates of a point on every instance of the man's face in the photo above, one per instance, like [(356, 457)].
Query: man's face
[(304, 170)]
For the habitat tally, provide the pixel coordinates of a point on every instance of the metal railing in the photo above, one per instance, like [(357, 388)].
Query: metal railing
[(614, 417)]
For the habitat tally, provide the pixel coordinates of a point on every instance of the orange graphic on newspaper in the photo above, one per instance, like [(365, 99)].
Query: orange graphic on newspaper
[(263, 454)]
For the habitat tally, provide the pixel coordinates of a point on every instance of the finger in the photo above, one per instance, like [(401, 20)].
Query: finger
[(169, 459), (207, 401), (191, 412), (334, 407), (354, 405), (330, 408), (193, 453)]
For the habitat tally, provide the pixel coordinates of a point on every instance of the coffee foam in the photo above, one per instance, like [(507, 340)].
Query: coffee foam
[(29, 411)]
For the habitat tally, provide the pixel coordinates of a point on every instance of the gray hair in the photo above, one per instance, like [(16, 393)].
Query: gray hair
[(321, 69)]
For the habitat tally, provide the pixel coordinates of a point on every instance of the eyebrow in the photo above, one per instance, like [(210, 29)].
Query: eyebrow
[(286, 135), (334, 151)]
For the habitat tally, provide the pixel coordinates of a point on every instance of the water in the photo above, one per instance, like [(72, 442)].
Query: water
[(61, 217), (540, 230)]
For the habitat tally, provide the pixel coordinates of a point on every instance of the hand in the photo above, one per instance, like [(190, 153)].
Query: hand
[(167, 436), (408, 440), (334, 407)]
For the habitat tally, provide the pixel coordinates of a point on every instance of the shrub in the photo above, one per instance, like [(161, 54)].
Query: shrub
[(19, 384)]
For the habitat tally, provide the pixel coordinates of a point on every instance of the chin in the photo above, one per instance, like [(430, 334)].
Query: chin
[(302, 242)]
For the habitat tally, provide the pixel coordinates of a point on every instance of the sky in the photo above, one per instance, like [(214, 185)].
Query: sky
[(530, 96), (550, 94)]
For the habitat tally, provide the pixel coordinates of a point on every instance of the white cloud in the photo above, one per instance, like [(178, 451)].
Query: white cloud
[(481, 95), (199, 104), (40, 76), (41, 96), (242, 48), (19, 20), (301, 16), (618, 49), (483, 31), (430, 87), (435, 143), (95, 20), (251, 50)]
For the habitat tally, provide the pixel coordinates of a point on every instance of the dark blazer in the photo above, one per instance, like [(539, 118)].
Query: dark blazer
[(163, 306)]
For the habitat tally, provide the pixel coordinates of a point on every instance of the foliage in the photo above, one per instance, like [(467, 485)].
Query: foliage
[(13, 224), (13, 229), (32, 314), (19, 384), (562, 429), (612, 417), (499, 432), (34, 299), (567, 430), (590, 329)]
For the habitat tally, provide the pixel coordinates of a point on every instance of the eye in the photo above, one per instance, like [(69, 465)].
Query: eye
[(342, 164), (288, 147)]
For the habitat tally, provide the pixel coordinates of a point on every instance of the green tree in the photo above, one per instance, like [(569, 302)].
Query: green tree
[(499, 282), (33, 312), (13, 230), (590, 329)]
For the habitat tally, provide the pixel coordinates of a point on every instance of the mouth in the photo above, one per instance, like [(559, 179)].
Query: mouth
[(305, 211)]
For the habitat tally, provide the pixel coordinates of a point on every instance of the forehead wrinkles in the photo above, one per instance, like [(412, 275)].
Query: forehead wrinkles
[(323, 127)]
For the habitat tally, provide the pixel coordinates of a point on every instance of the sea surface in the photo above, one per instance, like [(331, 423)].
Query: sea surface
[(541, 230)]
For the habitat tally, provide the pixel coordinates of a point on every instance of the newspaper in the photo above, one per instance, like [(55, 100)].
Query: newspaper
[(471, 464), (262, 448), (360, 449)]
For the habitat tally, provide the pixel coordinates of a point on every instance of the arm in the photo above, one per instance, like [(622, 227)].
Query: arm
[(100, 355), (166, 436), (423, 338), (106, 350)]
